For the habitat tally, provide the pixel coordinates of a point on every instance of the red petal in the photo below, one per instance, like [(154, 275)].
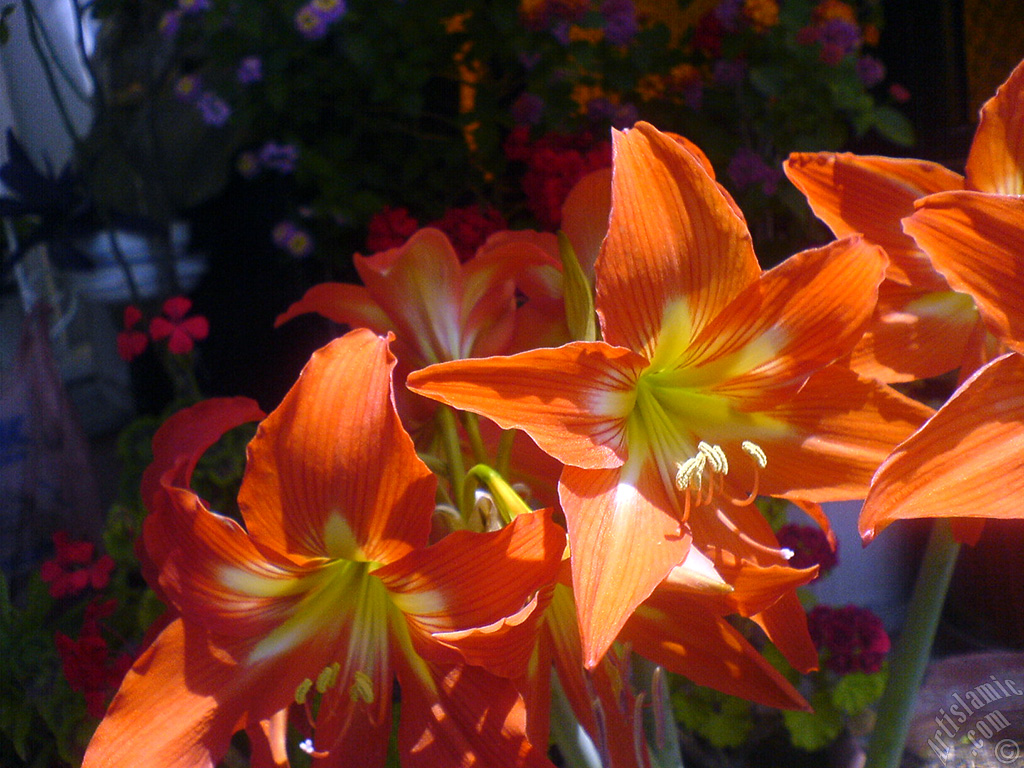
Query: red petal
[(996, 160), (967, 461), (573, 400), (622, 542), (161, 328), (177, 307), (331, 472), (977, 241), (672, 237)]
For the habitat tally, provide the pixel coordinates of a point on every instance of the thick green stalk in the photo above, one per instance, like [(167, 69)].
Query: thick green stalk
[(449, 433), (913, 648)]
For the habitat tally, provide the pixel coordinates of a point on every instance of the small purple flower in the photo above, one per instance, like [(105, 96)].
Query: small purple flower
[(213, 109), (188, 88), (620, 21), (870, 71), (560, 31), (311, 25), (170, 23), (293, 239), (250, 70), (729, 13), (527, 109), (278, 157), (747, 168), (839, 34), (193, 6), (529, 59), (624, 116), (729, 72), (330, 10)]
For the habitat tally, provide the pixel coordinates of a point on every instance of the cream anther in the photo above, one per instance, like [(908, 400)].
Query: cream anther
[(690, 473), (755, 452)]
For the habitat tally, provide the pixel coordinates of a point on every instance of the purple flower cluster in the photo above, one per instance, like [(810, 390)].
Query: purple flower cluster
[(211, 107), (850, 639), (527, 109), (620, 24), (747, 168), (810, 547), (601, 110), (870, 71), (315, 17), (270, 157), (193, 6)]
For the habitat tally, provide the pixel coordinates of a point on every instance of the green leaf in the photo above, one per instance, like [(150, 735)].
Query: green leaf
[(579, 299), (814, 730), (768, 81), (856, 691), (894, 126)]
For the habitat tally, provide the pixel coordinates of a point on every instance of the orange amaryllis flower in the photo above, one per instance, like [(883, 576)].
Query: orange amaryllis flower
[(329, 581), (922, 327), (708, 369), (968, 460)]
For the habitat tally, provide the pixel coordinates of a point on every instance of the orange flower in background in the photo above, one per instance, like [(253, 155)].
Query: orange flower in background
[(711, 377), (329, 581), (922, 328), (968, 460)]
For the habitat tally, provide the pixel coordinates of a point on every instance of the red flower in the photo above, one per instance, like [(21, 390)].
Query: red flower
[(389, 228), (469, 227), (181, 332), (810, 547), (131, 342), (851, 638), (86, 661), (63, 573)]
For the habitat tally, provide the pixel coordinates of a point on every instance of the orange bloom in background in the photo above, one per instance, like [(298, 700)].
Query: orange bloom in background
[(438, 308), (712, 378), (329, 581), (967, 461), (922, 327)]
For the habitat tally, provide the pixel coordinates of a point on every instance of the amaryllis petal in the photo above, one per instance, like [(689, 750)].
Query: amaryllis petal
[(977, 241), (467, 590), (130, 732), (802, 315), (452, 713), (785, 624), (419, 287), (914, 334), (869, 195), (343, 303), (572, 400), (612, 515), (966, 461), (331, 472), (841, 427), (996, 160), (680, 634), (675, 247)]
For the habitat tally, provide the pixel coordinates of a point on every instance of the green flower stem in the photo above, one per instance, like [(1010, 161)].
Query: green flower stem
[(472, 424), (504, 459), (913, 647), (453, 452), (568, 735)]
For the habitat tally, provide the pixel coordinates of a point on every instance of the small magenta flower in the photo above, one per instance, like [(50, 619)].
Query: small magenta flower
[(131, 342), (180, 331), (870, 71), (250, 70), (213, 109), (330, 10), (527, 109), (72, 568)]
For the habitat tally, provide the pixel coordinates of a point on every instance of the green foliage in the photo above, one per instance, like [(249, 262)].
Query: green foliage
[(815, 730), (857, 691), (724, 721)]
